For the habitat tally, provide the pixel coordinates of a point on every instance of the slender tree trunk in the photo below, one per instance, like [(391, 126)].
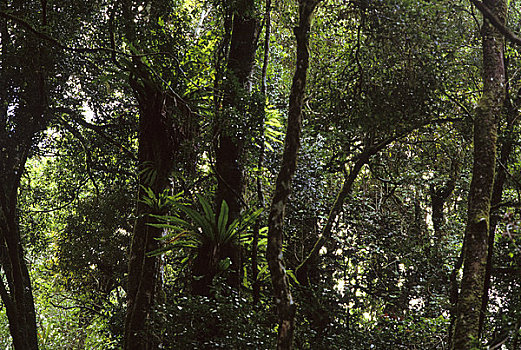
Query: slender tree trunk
[(363, 158), (286, 307), (23, 85), (453, 293), (303, 270), (466, 330), (439, 196), (17, 297), (260, 161)]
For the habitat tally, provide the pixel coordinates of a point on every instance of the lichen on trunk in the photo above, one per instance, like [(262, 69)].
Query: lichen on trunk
[(466, 331)]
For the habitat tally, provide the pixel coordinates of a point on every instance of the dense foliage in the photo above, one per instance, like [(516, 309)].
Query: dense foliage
[(374, 228)]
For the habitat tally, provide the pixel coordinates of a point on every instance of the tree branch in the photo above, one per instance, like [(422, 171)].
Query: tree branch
[(503, 29), (88, 154), (62, 46), (96, 128)]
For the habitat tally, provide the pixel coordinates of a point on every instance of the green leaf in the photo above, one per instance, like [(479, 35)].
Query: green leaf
[(224, 264), (170, 220), (292, 276), (223, 217), (262, 271), (161, 250), (207, 208), (200, 221)]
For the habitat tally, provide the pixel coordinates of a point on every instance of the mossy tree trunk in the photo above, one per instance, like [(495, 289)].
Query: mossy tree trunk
[(286, 307), (497, 194), (466, 330), (164, 128)]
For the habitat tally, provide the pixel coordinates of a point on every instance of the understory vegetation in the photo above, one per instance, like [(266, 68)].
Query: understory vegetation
[(246, 174)]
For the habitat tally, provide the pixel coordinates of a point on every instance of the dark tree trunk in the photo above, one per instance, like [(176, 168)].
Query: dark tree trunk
[(230, 136), (466, 330), (160, 138), (164, 127), (439, 196), (236, 89), (286, 307), (17, 297), (23, 115)]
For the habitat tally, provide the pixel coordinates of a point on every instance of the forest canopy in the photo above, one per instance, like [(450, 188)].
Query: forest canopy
[(247, 174)]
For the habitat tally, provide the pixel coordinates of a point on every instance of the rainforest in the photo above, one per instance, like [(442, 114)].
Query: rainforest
[(260, 174)]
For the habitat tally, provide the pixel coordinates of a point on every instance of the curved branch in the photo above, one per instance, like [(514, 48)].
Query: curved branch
[(494, 20), (57, 43)]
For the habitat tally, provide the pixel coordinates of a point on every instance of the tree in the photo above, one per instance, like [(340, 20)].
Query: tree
[(32, 75), (231, 135), (164, 127), (466, 331), (286, 307)]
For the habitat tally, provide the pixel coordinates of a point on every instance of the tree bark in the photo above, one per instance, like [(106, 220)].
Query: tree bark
[(159, 142), (286, 307), (24, 112), (466, 330), (236, 86), (230, 135), (497, 194)]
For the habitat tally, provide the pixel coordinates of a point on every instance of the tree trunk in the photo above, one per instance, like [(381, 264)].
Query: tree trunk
[(17, 297), (230, 136), (439, 196), (363, 158), (164, 126), (466, 330), (158, 143), (286, 307), (23, 114), (303, 270), (497, 194), (236, 86)]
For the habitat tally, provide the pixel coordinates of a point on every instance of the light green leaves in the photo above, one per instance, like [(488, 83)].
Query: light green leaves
[(194, 229)]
